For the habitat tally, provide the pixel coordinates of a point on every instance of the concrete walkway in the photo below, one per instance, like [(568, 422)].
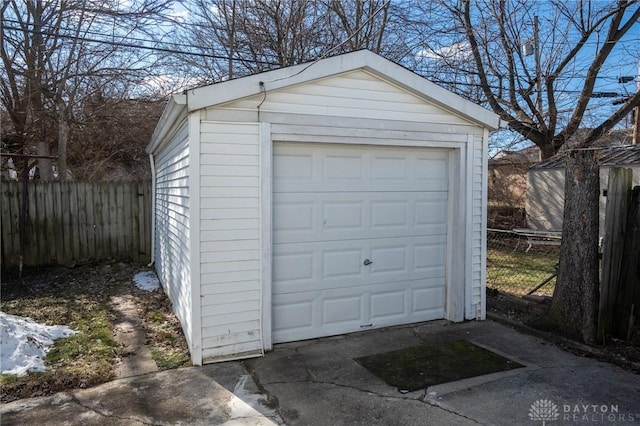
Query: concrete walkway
[(318, 382)]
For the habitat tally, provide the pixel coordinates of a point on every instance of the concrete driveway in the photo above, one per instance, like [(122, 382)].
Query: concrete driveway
[(318, 382)]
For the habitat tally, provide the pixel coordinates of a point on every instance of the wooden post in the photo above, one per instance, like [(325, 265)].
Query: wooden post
[(615, 231)]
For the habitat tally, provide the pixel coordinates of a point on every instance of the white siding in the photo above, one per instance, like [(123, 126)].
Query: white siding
[(478, 233), (172, 233), (356, 104), (230, 240), (360, 108), (545, 197)]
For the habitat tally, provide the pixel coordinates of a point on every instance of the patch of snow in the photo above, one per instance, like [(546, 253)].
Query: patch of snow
[(146, 281), (24, 343)]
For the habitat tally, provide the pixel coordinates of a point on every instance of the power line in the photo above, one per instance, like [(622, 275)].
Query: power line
[(143, 47)]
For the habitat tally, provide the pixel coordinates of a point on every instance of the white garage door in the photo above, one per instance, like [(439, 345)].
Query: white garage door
[(359, 238)]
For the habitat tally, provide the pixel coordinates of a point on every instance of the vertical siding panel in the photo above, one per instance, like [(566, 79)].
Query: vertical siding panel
[(194, 237), (172, 222), (216, 192)]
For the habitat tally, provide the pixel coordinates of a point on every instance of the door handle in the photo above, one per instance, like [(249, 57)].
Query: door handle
[(367, 262)]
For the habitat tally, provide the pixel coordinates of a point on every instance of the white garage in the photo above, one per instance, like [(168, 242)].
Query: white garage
[(326, 198)]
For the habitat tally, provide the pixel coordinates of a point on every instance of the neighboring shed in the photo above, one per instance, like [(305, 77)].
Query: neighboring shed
[(507, 180), (325, 198), (545, 196), (507, 186)]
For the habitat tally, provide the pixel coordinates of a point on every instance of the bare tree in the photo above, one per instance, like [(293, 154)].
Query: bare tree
[(54, 53), (546, 98), (231, 38)]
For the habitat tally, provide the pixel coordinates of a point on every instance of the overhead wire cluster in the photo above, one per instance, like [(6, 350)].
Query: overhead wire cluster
[(175, 48)]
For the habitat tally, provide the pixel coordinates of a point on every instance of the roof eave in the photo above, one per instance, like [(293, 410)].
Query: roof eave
[(227, 91), (176, 107)]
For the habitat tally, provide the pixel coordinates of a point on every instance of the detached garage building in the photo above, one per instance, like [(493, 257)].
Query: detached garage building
[(325, 198)]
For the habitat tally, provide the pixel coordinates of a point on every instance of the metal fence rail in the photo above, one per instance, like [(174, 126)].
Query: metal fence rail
[(519, 262)]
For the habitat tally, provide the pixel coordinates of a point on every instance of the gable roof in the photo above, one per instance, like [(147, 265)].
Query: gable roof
[(624, 155), (226, 91)]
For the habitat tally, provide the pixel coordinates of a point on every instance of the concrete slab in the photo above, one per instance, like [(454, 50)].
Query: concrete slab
[(129, 333), (318, 382), (219, 394)]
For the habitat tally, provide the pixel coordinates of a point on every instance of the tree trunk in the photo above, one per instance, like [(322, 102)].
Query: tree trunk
[(574, 309), (44, 164), (63, 138)]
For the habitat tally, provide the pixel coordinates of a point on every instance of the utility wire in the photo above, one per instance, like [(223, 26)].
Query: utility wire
[(139, 46)]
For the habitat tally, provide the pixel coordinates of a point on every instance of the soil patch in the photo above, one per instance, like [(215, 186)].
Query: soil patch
[(419, 367)]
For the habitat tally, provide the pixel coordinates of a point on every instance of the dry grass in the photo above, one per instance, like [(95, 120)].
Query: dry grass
[(81, 299), (517, 272)]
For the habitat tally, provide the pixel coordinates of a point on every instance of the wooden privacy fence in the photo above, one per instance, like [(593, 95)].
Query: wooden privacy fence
[(619, 309), (69, 222)]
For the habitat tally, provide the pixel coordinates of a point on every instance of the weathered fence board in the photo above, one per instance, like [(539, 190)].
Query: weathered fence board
[(628, 300), (70, 222), (618, 194)]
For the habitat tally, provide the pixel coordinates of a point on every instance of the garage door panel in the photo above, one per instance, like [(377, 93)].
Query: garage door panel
[(346, 311), (428, 299), (293, 166), (389, 305), (432, 173), (428, 256), (430, 212), (342, 264), (335, 206), (332, 217), (342, 169), (293, 314), (390, 169), (293, 216), (390, 214), (343, 215), (368, 169), (390, 260), (293, 267), (338, 264)]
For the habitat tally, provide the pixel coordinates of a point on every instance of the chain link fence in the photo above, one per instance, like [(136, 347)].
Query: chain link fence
[(522, 262)]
